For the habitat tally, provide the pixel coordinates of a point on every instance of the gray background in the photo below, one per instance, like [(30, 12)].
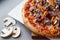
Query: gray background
[(5, 7)]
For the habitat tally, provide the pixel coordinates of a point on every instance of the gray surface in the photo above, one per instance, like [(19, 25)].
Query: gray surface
[(5, 7)]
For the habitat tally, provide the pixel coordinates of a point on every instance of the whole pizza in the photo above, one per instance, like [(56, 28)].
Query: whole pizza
[(42, 17)]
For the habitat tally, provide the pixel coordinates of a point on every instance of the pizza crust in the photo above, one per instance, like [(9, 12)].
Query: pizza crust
[(30, 27), (34, 30)]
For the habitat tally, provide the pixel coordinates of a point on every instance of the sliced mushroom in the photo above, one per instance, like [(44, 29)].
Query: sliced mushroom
[(47, 0), (38, 11), (36, 1), (6, 32), (32, 8), (16, 32), (9, 21), (57, 6), (57, 1), (57, 25), (55, 22), (47, 21), (49, 8)]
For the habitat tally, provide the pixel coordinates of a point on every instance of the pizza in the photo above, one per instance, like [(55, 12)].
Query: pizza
[(42, 17)]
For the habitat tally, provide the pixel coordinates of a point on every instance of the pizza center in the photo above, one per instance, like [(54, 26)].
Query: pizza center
[(44, 13)]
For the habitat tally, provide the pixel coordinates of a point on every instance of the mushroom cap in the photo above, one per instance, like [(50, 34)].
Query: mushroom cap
[(9, 21), (16, 32), (6, 32)]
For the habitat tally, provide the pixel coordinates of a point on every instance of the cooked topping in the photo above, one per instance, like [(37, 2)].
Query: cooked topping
[(47, 21), (36, 1), (51, 2), (38, 15), (45, 12), (37, 10), (57, 6), (59, 23), (57, 1), (55, 21), (27, 5), (52, 19), (39, 20), (39, 3), (49, 8), (32, 8), (47, 0), (43, 2), (49, 16)]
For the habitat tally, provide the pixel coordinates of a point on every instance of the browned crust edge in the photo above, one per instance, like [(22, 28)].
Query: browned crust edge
[(33, 29)]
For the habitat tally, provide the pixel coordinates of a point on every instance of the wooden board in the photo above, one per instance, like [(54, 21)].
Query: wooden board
[(37, 37)]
